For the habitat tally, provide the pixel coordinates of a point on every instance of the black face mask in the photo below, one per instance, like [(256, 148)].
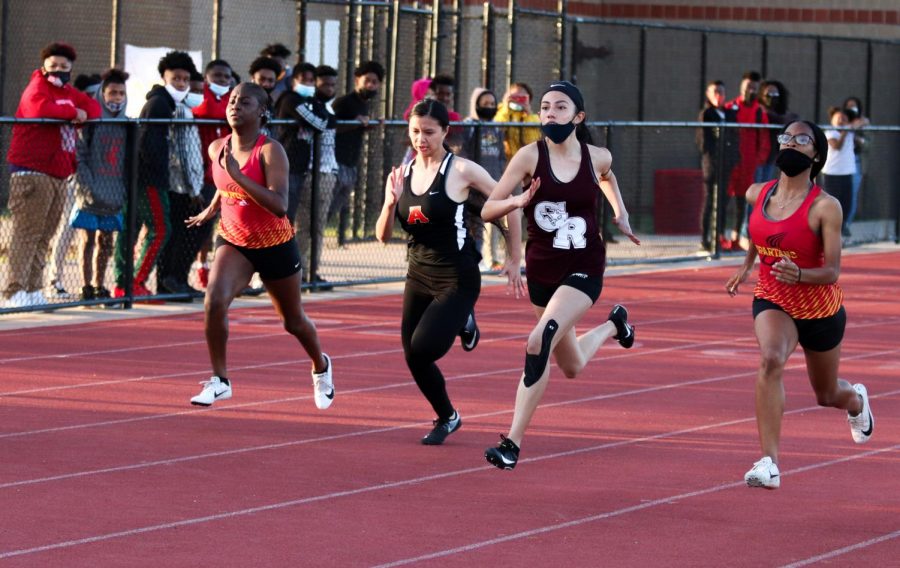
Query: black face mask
[(558, 132), (852, 113), (486, 114), (792, 162), (367, 94), (322, 97), (63, 76)]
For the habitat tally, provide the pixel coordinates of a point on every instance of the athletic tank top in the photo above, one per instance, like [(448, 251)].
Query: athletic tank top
[(563, 234), (436, 224), (244, 222), (791, 237)]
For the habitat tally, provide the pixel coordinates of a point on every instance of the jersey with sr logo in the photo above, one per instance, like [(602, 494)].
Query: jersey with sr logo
[(563, 234)]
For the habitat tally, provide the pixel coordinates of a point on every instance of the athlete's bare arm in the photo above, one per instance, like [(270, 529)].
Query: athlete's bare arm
[(393, 187), (601, 159), (746, 268), (519, 171)]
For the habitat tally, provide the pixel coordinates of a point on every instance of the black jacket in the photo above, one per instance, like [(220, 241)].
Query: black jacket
[(153, 140)]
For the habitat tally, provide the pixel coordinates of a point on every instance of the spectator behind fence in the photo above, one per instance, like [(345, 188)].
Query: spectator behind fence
[(40, 158), (62, 241), (280, 54), (152, 206), (443, 90), (349, 139), (326, 83), (265, 71), (217, 86), (484, 146), (516, 107), (754, 151), (185, 199), (774, 98), (840, 165), (716, 172), (297, 137), (854, 109), (99, 184)]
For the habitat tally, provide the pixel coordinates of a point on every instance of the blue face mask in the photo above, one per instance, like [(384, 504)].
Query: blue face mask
[(114, 107), (304, 90), (193, 99)]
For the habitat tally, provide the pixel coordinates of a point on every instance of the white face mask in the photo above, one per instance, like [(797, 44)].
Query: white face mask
[(193, 99), (304, 90), (219, 90), (176, 94)]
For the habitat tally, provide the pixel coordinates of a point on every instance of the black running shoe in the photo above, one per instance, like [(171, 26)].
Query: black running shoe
[(624, 332), (469, 334), (503, 456), (443, 427)]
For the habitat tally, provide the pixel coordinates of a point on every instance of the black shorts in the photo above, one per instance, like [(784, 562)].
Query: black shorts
[(540, 293), (272, 263), (821, 334)]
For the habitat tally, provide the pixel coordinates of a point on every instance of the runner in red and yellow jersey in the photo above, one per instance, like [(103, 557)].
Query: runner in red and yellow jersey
[(255, 236), (795, 228)]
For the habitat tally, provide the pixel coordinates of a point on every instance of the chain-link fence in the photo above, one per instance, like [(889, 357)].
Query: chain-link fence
[(114, 230), (633, 70)]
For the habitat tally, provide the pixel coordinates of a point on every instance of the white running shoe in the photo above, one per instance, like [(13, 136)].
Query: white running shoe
[(37, 298), (18, 300), (763, 474), (323, 386), (862, 425), (213, 389)]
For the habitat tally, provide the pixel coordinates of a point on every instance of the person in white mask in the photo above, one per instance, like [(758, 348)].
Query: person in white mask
[(175, 68)]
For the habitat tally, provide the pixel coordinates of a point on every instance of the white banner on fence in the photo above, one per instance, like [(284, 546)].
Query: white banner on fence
[(323, 42), (142, 63)]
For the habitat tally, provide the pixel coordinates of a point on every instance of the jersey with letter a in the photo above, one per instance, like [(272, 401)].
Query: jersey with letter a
[(563, 235), (244, 222), (436, 224), (793, 238)]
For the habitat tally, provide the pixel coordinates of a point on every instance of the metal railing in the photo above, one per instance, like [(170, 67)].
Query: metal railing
[(657, 165)]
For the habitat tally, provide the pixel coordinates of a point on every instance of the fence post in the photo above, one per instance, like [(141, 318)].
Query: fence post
[(719, 190), (562, 8), (314, 208), (511, 43), (130, 230)]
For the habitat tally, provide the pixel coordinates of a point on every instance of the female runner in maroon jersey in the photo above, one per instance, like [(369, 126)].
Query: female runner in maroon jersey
[(565, 256), (255, 235), (796, 232)]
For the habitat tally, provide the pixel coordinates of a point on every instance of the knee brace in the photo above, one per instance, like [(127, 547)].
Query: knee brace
[(535, 364)]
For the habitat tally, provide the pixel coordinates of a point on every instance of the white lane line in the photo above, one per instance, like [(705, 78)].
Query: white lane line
[(610, 514), (424, 479), (841, 551)]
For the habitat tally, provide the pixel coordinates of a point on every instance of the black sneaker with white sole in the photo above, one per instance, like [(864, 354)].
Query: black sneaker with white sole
[(443, 427), (624, 331), (469, 334), (504, 456)]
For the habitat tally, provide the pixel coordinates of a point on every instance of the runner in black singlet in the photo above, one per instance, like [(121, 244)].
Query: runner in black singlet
[(565, 255), (428, 197)]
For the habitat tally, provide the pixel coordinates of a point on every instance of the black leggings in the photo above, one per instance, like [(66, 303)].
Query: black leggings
[(435, 308)]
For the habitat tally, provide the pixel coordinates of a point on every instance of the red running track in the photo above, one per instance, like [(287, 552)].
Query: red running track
[(637, 462)]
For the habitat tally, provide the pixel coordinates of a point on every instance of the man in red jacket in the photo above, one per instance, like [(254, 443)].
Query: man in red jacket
[(754, 150), (216, 91), (41, 157)]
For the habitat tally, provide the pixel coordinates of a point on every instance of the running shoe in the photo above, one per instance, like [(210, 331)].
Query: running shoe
[(214, 389), (469, 334), (504, 456), (443, 427), (323, 386), (764, 473), (624, 331), (863, 424)]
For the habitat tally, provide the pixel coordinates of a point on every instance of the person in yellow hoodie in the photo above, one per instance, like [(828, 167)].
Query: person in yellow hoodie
[(516, 107)]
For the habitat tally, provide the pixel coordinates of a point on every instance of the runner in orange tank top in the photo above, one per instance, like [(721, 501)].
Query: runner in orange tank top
[(795, 228), (255, 236)]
